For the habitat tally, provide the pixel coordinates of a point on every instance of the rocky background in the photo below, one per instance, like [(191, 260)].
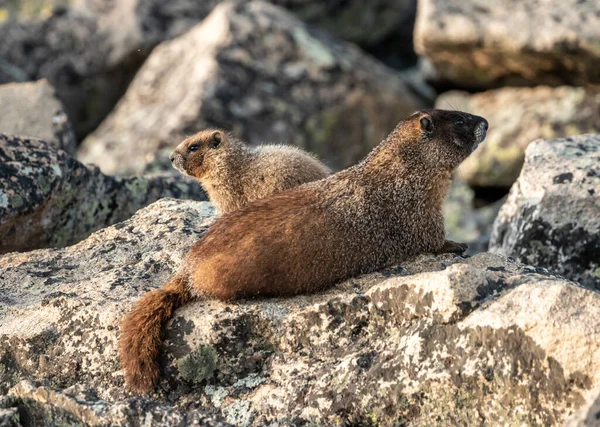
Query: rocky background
[(95, 93)]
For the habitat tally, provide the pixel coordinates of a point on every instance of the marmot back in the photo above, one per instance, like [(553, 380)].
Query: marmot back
[(234, 174)]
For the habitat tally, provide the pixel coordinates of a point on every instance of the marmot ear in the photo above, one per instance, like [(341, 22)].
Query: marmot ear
[(426, 124), (216, 139)]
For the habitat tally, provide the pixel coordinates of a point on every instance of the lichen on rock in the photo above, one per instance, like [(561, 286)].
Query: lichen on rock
[(199, 365), (438, 340), (552, 216), (49, 199)]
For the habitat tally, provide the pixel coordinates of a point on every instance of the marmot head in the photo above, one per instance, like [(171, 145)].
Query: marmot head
[(448, 137), (198, 155)]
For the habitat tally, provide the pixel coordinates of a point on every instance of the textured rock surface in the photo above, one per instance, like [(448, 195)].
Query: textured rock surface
[(32, 110), (552, 215), (437, 341), (485, 43), (518, 116), (47, 198), (254, 69), (587, 416), (77, 404), (9, 417)]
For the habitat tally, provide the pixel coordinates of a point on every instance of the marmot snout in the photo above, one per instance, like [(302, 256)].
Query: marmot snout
[(234, 174)]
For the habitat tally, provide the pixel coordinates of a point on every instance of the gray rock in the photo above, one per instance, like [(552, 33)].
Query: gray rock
[(32, 110), (587, 416), (488, 43), (77, 405), (439, 340), (9, 417), (364, 23), (11, 73), (383, 27), (252, 68), (90, 50), (465, 222), (518, 116), (47, 198), (89, 58), (552, 215)]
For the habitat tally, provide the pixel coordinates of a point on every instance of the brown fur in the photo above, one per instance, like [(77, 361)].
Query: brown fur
[(141, 330), (234, 174), (372, 215)]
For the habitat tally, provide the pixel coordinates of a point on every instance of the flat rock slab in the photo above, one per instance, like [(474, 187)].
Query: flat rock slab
[(252, 68), (552, 215), (32, 109), (49, 199), (489, 43), (518, 116), (439, 340)]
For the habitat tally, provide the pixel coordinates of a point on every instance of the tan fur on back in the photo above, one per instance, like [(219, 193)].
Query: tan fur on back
[(234, 174)]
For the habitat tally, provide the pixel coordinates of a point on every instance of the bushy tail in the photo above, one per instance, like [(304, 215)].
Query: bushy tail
[(141, 332)]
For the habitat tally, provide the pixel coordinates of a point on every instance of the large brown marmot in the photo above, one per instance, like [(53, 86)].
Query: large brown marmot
[(375, 214), (234, 174)]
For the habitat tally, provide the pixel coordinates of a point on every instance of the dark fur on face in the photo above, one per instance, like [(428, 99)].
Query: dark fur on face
[(454, 134), (447, 138)]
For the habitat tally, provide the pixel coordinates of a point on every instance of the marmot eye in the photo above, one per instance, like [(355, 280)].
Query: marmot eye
[(459, 122), (193, 147)]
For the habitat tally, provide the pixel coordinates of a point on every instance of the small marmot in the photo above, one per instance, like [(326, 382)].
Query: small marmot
[(234, 174), (375, 214)]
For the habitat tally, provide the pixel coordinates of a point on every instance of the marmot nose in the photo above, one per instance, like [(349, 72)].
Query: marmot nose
[(172, 157), (485, 124)]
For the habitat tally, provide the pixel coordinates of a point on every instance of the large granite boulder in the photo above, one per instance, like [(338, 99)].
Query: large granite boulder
[(90, 50), (32, 110), (518, 116), (252, 68), (88, 53), (488, 43), (47, 198), (552, 215), (440, 340)]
